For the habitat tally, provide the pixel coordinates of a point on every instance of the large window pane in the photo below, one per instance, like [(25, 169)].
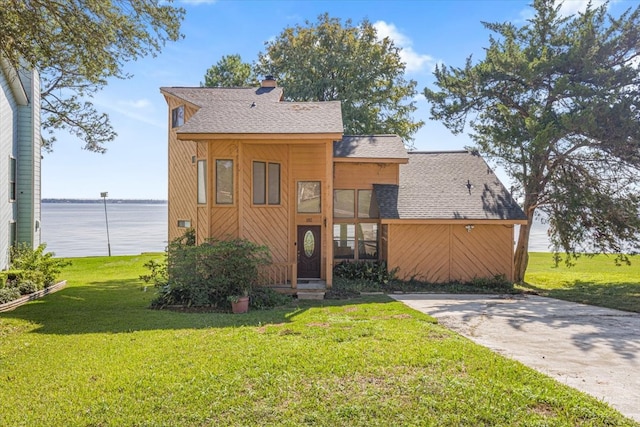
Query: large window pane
[(224, 182), (343, 203), (309, 197), (259, 183), (202, 182), (274, 183), (367, 241), (366, 208), (344, 241)]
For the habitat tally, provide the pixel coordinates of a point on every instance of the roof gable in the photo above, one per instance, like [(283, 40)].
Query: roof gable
[(447, 185), (255, 111)]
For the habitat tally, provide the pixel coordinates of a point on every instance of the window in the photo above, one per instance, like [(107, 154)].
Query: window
[(224, 182), (367, 240), (12, 179), (346, 240), (266, 183), (357, 236), (177, 116), (202, 182), (309, 197), (184, 223), (343, 203), (366, 209)]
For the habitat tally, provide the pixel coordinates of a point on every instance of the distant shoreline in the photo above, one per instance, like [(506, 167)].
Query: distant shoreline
[(110, 201)]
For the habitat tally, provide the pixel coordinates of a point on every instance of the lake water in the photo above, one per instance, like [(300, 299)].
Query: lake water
[(79, 229)]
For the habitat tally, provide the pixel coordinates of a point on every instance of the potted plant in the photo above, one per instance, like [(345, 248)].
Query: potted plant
[(239, 303)]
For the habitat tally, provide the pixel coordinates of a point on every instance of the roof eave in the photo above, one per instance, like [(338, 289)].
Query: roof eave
[(256, 136), (398, 160), (497, 221)]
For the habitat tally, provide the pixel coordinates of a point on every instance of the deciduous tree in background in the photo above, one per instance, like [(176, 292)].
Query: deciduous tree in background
[(329, 61), (230, 71), (557, 103), (77, 45)]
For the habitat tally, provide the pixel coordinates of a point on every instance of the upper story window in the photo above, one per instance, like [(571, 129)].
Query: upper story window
[(224, 182), (309, 197), (345, 204), (266, 183), (177, 116), (13, 174), (202, 182)]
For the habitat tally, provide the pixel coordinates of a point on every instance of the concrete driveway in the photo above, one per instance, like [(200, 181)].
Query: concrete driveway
[(595, 350)]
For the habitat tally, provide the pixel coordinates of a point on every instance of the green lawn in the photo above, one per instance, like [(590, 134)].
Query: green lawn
[(593, 280), (93, 354)]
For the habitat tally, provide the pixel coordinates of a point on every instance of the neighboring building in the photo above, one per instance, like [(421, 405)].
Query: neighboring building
[(243, 163), (20, 143)]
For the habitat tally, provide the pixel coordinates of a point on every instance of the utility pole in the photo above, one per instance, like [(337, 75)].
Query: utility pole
[(104, 195)]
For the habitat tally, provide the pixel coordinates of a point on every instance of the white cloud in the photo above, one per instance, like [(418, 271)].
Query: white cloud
[(415, 61), (138, 104), (570, 7)]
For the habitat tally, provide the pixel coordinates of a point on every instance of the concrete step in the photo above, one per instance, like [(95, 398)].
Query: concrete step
[(310, 295)]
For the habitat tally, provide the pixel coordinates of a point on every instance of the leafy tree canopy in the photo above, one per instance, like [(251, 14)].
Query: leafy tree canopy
[(326, 61), (230, 71), (557, 103), (76, 45)]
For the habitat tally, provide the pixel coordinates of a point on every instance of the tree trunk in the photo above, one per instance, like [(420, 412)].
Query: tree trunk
[(521, 257)]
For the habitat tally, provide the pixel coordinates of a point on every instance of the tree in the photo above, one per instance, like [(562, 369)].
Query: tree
[(557, 103), (230, 71), (327, 61), (77, 45)]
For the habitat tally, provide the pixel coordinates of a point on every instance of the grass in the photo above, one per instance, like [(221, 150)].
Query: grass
[(92, 354), (593, 280)]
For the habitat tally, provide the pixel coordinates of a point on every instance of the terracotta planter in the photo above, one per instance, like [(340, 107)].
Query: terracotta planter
[(242, 306)]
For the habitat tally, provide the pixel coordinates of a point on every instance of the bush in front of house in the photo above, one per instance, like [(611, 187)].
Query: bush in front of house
[(206, 274), (8, 294), (375, 273)]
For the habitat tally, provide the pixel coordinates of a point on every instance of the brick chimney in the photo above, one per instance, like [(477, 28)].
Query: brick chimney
[(269, 81)]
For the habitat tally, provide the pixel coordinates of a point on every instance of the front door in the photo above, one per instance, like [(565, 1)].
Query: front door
[(308, 251)]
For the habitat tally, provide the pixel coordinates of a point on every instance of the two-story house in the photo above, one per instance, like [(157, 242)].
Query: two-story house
[(244, 163)]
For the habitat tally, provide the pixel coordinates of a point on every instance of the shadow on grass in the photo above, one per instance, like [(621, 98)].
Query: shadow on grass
[(621, 296), (122, 306)]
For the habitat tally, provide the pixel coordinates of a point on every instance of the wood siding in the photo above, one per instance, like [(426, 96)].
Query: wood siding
[(364, 175), (182, 176), (266, 224), (443, 253)]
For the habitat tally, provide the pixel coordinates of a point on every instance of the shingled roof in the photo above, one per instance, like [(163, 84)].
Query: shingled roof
[(446, 185), (255, 111), (370, 147)]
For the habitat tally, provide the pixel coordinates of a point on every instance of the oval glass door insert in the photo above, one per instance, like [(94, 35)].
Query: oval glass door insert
[(309, 243)]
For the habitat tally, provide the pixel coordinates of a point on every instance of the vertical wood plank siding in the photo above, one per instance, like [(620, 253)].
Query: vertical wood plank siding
[(442, 253)]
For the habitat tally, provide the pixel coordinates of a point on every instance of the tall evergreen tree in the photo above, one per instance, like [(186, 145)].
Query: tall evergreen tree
[(557, 103)]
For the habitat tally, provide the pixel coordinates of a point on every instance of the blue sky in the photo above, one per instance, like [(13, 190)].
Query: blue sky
[(135, 165)]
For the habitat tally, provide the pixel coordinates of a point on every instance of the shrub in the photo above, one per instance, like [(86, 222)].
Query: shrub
[(8, 294), (206, 274), (28, 287), (38, 266), (371, 271), (263, 298)]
